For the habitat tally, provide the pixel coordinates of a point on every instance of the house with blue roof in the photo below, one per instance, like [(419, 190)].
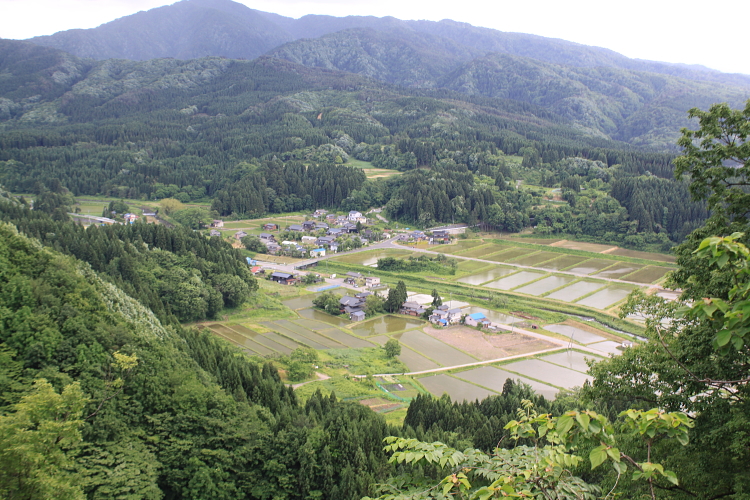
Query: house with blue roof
[(477, 319)]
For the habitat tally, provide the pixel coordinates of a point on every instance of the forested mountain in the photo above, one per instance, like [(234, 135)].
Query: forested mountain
[(198, 28), (595, 90), (272, 136)]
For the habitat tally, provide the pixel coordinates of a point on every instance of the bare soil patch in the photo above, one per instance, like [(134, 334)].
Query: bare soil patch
[(380, 405), (486, 346)]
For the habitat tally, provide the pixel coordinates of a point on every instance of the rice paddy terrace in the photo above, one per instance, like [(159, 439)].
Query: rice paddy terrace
[(464, 362)]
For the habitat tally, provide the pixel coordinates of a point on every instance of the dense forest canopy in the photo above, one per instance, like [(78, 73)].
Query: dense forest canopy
[(269, 136)]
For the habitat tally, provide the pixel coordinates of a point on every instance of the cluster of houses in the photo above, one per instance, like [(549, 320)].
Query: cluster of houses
[(323, 244), (438, 236)]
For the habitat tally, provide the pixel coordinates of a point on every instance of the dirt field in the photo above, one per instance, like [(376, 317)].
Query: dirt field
[(380, 405), (487, 346)]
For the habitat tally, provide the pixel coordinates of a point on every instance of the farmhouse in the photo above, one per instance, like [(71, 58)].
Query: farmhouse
[(349, 304), (474, 319), (412, 309), (214, 232), (318, 252), (371, 281), (267, 237), (240, 234), (308, 225), (283, 278), (296, 227), (354, 215), (270, 226), (217, 223)]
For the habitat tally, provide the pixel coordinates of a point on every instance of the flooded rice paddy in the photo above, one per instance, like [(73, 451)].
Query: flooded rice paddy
[(458, 390), (414, 361), (324, 317), (509, 254), (458, 247), (299, 302), (535, 259), (384, 325), (479, 252), (590, 266), (470, 265), (607, 297), (576, 334), (433, 348), (562, 262), (370, 258), (494, 378), (545, 285), (608, 346), (515, 280), (345, 338), (573, 360), (485, 276), (618, 270), (575, 291), (648, 274), (548, 372)]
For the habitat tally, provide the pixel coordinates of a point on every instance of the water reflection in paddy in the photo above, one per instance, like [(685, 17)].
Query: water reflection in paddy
[(492, 274), (562, 262), (605, 298), (325, 317), (574, 291), (515, 280), (545, 285), (384, 325)]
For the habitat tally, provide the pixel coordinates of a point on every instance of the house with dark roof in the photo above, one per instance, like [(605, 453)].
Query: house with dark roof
[(283, 278), (412, 309), (267, 237), (296, 227), (441, 236), (308, 225), (325, 240), (240, 234), (214, 232), (270, 226), (348, 304)]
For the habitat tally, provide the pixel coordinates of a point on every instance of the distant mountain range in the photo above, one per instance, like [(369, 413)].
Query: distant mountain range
[(198, 28), (595, 90)]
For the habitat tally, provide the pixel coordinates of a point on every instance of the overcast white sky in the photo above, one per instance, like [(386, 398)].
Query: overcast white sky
[(679, 31)]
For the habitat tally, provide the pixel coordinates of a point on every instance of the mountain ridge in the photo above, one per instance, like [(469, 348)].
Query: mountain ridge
[(229, 29)]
